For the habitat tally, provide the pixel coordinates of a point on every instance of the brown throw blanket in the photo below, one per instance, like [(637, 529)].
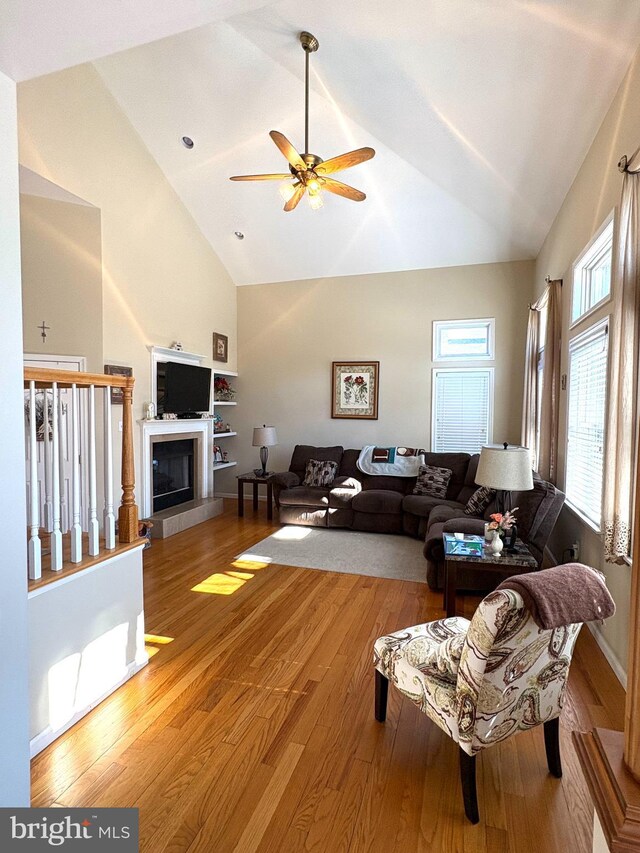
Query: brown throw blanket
[(563, 595)]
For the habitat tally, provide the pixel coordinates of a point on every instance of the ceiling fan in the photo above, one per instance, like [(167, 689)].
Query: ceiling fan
[(309, 172)]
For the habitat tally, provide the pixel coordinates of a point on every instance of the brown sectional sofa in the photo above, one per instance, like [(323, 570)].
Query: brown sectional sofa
[(383, 504)]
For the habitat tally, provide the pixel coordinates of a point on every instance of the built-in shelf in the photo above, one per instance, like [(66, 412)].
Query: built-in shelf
[(224, 403), (223, 434), (218, 465), (217, 372)]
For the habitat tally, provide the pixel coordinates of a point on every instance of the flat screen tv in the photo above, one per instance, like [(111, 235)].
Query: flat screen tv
[(187, 388)]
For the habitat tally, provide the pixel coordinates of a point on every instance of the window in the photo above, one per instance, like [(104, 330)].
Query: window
[(458, 340), (592, 273), (585, 429), (462, 408)]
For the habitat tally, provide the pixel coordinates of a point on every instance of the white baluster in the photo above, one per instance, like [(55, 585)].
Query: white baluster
[(56, 533), (94, 531), (62, 453), (35, 546), (76, 527), (48, 509), (109, 517)]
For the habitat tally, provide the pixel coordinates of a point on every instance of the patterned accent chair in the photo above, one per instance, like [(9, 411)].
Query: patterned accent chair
[(481, 681)]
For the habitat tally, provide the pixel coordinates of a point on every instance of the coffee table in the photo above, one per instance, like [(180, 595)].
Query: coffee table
[(506, 564)]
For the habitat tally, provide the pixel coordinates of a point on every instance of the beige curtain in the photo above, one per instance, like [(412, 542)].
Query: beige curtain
[(549, 401), (623, 339), (529, 437)]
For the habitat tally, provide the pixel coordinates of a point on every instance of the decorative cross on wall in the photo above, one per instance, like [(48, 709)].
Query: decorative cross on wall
[(43, 330)]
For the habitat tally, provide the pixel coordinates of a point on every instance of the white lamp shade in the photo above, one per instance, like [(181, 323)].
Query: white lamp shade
[(506, 469), (264, 436)]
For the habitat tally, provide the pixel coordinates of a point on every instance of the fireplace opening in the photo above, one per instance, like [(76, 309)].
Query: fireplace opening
[(173, 481)]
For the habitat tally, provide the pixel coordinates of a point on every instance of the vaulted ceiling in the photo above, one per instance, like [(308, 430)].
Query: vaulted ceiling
[(480, 112)]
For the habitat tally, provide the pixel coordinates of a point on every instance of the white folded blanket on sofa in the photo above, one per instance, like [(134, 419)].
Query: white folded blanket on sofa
[(390, 461)]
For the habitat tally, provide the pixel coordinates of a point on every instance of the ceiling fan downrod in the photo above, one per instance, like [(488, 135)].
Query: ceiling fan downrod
[(309, 44)]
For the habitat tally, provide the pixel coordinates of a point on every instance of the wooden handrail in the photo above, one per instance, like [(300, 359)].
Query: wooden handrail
[(44, 377)]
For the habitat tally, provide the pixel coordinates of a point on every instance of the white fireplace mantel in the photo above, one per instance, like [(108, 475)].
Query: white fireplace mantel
[(204, 479)]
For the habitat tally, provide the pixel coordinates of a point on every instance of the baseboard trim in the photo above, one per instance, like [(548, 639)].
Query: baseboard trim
[(48, 735), (609, 654)]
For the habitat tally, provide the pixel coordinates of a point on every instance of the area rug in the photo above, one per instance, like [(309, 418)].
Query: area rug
[(376, 554)]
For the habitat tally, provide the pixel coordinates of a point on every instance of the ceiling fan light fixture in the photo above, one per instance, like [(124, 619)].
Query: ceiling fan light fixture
[(286, 190), (315, 199)]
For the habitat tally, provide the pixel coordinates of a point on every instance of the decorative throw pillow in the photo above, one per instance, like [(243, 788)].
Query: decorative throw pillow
[(432, 481), (479, 501), (319, 473)]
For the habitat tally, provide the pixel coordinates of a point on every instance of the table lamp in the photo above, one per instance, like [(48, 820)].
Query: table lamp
[(505, 468), (264, 437)]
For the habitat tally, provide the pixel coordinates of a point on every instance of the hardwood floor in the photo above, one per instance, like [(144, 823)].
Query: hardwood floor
[(252, 727)]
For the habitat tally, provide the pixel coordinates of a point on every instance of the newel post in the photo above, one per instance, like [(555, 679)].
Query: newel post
[(128, 512)]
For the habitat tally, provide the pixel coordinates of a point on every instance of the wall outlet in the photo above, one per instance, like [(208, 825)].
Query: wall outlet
[(120, 426), (575, 548)]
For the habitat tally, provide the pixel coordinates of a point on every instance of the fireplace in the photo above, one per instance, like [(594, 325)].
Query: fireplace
[(173, 479)]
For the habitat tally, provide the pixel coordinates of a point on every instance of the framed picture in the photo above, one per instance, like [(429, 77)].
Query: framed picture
[(117, 394), (354, 389), (220, 347)]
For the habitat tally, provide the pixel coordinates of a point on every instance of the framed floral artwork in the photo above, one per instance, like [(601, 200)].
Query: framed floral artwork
[(354, 389), (220, 347)]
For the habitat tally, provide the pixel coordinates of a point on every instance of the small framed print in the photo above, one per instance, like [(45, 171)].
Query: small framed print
[(220, 347), (354, 389), (117, 394)]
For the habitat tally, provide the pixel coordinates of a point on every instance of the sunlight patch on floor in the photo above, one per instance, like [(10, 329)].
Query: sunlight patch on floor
[(157, 640), (222, 583), (251, 562), (291, 533)]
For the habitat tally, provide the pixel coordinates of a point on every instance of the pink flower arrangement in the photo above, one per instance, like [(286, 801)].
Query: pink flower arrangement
[(502, 522)]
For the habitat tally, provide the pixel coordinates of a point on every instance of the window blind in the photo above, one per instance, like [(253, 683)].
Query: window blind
[(585, 430), (462, 409)]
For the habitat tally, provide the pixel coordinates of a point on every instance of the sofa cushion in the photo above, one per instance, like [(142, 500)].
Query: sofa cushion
[(348, 466), (320, 472), (479, 501), (303, 452), (343, 491), (402, 485), (432, 481), (445, 512), (377, 500), (305, 496), (422, 505)]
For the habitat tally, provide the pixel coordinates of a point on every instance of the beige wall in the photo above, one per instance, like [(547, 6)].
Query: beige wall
[(161, 279), (290, 333), (61, 278), (594, 193)]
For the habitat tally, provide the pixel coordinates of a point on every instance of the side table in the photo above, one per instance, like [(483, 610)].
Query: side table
[(255, 480), (506, 564)]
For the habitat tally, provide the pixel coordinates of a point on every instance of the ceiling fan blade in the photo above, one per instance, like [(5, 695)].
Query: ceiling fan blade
[(288, 150), (260, 177), (342, 189), (295, 198), (345, 161)]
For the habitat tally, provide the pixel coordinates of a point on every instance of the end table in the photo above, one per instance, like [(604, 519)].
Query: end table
[(255, 480), (506, 564)]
